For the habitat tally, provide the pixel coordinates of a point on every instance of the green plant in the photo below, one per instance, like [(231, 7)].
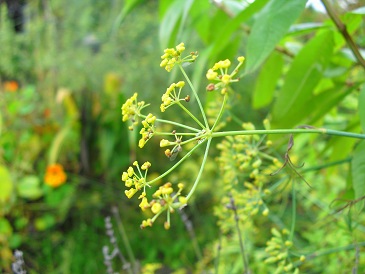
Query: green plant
[(246, 181)]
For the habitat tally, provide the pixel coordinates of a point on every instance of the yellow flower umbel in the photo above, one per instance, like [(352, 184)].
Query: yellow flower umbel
[(172, 56), (131, 110), (171, 97), (55, 176), (136, 181), (278, 249), (164, 200), (147, 130), (219, 73)]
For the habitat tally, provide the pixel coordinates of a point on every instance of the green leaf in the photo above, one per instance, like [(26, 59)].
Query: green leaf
[(223, 35), (6, 185), (358, 173), (304, 28), (271, 24), (29, 188), (173, 22), (303, 76), (362, 108), (267, 80)]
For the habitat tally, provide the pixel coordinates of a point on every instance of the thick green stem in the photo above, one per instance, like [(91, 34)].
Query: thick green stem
[(289, 131), (196, 96)]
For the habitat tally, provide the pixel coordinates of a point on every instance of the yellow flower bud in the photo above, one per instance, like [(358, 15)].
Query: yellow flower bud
[(129, 193), (130, 171), (146, 165), (125, 176), (144, 204), (156, 208), (241, 59), (183, 200), (211, 75), (164, 143), (226, 79)]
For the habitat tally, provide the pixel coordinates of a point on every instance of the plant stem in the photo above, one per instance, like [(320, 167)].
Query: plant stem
[(294, 212), (242, 247), (190, 114), (329, 251), (177, 124), (127, 245), (343, 30), (175, 165), (220, 112), (201, 169), (289, 131), (196, 96)]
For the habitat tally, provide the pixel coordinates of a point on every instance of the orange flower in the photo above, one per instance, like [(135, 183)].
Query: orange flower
[(11, 86), (55, 176)]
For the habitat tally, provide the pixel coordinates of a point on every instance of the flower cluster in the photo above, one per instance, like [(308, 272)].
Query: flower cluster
[(172, 153), (172, 56), (219, 73), (245, 164), (164, 200), (147, 130), (135, 181), (171, 97), (55, 175), (278, 249), (131, 109)]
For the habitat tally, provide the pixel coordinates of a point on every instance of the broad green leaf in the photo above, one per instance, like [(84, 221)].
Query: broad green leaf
[(362, 108), (6, 185), (201, 22), (267, 80), (173, 22), (303, 76), (29, 188), (358, 173), (271, 24), (223, 35)]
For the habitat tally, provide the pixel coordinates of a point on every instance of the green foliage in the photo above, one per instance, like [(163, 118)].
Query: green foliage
[(75, 64)]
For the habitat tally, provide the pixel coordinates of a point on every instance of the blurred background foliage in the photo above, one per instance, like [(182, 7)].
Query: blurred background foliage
[(68, 66)]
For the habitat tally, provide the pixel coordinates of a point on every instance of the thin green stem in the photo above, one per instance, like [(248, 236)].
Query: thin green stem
[(201, 169), (191, 115), (329, 251), (220, 112), (124, 236), (294, 211), (175, 123), (242, 247), (196, 96), (175, 165), (289, 131), (157, 133)]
